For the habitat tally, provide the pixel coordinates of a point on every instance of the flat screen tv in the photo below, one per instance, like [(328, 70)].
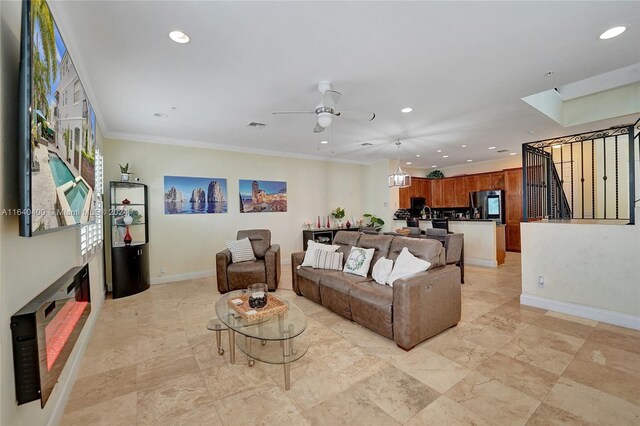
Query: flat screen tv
[(57, 130)]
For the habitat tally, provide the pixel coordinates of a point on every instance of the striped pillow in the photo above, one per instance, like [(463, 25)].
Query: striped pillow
[(241, 250), (324, 259)]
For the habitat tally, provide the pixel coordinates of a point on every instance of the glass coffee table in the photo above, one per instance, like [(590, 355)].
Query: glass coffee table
[(277, 339)]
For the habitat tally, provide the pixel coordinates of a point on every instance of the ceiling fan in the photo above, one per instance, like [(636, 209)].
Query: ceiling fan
[(326, 111)]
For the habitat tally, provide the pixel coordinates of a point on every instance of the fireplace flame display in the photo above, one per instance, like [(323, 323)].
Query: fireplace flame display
[(57, 332)]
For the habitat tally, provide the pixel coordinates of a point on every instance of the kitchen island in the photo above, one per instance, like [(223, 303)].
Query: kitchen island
[(484, 239)]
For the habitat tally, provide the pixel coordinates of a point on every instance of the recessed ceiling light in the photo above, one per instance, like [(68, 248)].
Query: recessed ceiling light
[(548, 73), (439, 150), (179, 37), (556, 146), (612, 32), (531, 132), (324, 142), (468, 161), (492, 147), (408, 163), (160, 115), (464, 146), (433, 167), (445, 156), (406, 110), (417, 155), (514, 153)]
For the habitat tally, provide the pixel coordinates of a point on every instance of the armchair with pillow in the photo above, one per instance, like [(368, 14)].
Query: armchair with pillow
[(249, 260)]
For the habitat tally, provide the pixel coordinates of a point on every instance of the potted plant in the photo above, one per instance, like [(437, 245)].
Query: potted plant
[(124, 172), (338, 214), (374, 222)]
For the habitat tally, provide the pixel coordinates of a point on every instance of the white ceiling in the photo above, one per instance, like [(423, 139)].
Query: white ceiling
[(462, 66)]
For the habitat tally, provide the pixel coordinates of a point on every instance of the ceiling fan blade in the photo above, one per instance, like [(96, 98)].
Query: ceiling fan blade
[(331, 97), (293, 112), (318, 128), (356, 115)]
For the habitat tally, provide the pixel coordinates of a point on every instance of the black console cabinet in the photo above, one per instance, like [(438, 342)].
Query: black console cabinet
[(129, 262)]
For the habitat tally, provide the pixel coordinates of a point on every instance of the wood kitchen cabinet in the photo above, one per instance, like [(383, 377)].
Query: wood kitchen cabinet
[(420, 187), (513, 195), (461, 191), (437, 200), (448, 192), (483, 182)]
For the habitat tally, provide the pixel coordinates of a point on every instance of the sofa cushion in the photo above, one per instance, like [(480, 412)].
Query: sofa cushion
[(372, 307), (381, 270), (422, 248), (312, 247), (359, 261), (260, 240), (379, 242), (241, 250), (406, 265), (346, 240), (334, 290), (242, 274)]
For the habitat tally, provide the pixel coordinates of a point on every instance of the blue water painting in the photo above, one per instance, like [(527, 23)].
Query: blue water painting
[(194, 195)]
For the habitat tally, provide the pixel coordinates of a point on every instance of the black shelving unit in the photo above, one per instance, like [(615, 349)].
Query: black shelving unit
[(129, 263), (322, 236)]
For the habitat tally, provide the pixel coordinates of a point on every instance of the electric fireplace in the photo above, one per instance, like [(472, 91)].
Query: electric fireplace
[(44, 333)]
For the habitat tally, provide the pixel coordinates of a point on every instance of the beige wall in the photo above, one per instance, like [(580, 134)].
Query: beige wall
[(185, 245), (29, 265), (506, 162)]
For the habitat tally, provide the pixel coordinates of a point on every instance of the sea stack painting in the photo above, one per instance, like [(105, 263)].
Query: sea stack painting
[(262, 196), (191, 195)]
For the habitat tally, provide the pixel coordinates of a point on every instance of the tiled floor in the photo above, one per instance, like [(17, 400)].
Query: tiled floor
[(152, 361)]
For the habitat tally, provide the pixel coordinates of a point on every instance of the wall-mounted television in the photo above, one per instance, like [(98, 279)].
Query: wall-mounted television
[(57, 130)]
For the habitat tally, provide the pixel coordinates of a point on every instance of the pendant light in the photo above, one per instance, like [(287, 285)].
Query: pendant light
[(399, 179)]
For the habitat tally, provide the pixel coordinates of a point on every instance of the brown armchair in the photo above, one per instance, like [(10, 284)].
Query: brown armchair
[(265, 269)]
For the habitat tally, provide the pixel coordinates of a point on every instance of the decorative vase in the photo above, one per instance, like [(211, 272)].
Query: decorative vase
[(339, 223), (319, 222), (258, 296), (348, 224), (328, 223), (124, 177), (127, 238)]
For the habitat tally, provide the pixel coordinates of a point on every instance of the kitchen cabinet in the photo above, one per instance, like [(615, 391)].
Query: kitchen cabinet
[(437, 201), (420, 187), (513, 194), (448, 192), (483, 182), (461, 191)]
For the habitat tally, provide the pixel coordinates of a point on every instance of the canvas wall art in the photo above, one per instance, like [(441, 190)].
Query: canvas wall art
[(191, 195), (262, 196)]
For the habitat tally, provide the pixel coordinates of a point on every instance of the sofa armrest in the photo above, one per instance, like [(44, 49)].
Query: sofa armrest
[(425, 304), (272, 263), (223, 260), (296, 260)]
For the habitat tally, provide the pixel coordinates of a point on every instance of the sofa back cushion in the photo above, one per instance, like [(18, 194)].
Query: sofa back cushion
[(260, 240), (380, 243), (346, 240), (422, 248)]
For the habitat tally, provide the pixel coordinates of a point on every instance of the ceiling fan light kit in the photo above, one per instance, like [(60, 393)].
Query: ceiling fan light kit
[(399, 179)]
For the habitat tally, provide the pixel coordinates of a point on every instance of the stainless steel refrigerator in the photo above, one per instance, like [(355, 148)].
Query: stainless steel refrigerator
[(488, 205)]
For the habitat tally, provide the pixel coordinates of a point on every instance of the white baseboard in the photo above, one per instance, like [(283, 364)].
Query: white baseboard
[(182, 277), (610, 317), (71, 368), (481, 262)]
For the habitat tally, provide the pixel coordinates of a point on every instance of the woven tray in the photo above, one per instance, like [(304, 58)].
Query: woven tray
[(274, 306)]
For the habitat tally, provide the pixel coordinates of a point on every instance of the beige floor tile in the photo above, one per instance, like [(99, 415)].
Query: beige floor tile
[(564, 326), (525, 377), (518, 312), (398, 394), (535, 335), (156, 346), (445, 411), (537, 354), (547, 415), (616, 329), (592, 406), (117, 411), (264, 405), (97, 388), (182, 400), (573, 318), (504, 324), (434, 370), (616, 382), (106, 356), (625, 341), (492, 400), (610, 356), (452, 346), (484, 335), (348, 408), (153, 372), (225, 379)]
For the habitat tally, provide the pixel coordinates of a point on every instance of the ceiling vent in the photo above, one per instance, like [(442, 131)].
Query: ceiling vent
[(366, 144), (503, 150), (257, 125)]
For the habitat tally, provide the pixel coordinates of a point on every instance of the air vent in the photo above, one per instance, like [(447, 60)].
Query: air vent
[(257, 125), (503, 150), (366, 144)]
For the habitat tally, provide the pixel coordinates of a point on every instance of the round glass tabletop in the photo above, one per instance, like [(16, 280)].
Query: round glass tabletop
[(284, 326)]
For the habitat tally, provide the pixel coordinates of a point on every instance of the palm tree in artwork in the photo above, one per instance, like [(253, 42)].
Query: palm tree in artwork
[(45, 61)]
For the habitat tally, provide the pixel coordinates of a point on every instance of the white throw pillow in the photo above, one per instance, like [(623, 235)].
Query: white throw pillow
[(381, 270), (312, 246), (406, 264), (241, 250), (359, 261), (327, 260)]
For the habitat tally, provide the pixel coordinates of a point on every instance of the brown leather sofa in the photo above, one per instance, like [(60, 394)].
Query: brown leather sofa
[(265, 269), (414, 309)]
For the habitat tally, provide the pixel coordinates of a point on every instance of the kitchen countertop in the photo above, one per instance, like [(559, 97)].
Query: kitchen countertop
[(454, 220)]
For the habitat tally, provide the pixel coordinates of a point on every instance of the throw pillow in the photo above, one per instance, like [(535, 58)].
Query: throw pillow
[(381, 270), (327, 260), (358, 261), (406, 264), (241, 250), (312, 246)]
